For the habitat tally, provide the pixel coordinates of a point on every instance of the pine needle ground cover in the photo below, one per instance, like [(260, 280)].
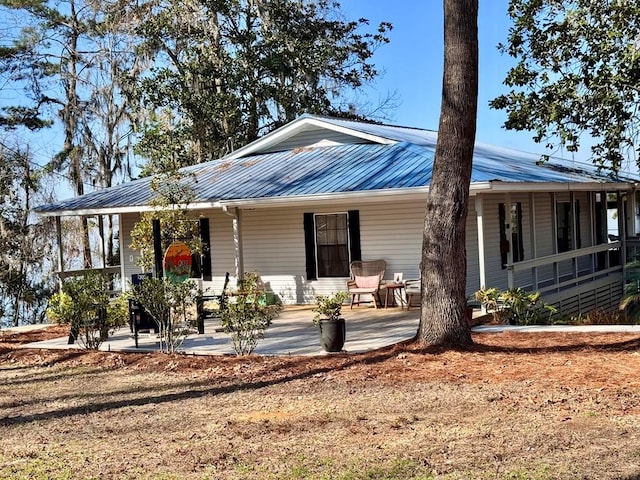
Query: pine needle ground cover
[(517, 406)]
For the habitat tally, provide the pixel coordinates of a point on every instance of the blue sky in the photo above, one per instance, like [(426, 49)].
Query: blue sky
[(412, 66), (413, 60)]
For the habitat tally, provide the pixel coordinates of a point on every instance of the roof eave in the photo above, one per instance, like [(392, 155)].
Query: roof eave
[(120, 210), (370, 196), (499, 186)]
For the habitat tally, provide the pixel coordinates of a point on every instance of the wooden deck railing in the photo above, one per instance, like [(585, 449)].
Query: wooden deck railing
[(576, 276), (115, 270)]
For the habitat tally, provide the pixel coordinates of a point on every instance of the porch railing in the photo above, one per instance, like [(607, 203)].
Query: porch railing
[(113, 271), (578, 274)]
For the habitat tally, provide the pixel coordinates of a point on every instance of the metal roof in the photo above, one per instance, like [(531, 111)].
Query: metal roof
[(340, 169)]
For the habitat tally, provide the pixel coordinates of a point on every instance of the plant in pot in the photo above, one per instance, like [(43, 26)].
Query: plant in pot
[(331, 326)]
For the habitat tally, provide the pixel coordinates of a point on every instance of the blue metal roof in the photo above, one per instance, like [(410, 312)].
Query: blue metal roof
[(336, 169)]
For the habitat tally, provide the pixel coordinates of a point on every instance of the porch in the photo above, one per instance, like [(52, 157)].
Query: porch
[(291, 333)]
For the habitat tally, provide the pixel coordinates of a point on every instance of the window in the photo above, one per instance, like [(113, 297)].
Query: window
[(332, 245), (332, 241), (514, 222), (565, 226)]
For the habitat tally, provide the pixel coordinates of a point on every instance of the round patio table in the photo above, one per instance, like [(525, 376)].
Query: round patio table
[(392, 287)]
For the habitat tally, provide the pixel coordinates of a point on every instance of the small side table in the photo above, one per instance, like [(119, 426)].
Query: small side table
[(392, 287)]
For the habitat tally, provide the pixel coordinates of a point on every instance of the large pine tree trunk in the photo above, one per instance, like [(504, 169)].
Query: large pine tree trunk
[(444, 260)]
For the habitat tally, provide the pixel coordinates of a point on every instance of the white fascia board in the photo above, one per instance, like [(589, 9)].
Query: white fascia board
[(498, 186), (361, 197), (119, 210), (371, 196), (289, 130)]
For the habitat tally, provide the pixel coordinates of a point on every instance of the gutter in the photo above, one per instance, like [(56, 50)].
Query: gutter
[(372, 196)]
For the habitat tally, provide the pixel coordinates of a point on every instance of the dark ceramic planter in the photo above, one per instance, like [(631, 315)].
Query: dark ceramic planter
[(332, 334)]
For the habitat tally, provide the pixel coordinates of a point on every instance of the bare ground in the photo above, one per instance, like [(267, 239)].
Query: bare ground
[(515, 405)]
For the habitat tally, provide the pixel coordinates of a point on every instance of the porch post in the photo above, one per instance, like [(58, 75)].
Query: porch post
[(60, 252), (592, 228), (102, 242), (121, 244), (554, 223), (574, 231), (480, 223), (622, 230), (508, 230), (237, 244), (532, 237), (632, 205)]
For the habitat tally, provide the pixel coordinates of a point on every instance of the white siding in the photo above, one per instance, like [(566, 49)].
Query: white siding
[(274, 246), (313, 136), (222, 251), (496, 276), (473, 257), (545, 234)]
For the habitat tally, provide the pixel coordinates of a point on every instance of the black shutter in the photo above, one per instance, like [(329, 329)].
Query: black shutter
[(310, 246), (158, 254), (520, 232), (504, 243), (205, 257), (354, 234)]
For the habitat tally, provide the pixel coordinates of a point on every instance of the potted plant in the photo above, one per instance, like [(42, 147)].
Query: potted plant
[(331, 326)]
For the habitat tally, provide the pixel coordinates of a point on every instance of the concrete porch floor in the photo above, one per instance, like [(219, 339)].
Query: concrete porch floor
[(291, 333)]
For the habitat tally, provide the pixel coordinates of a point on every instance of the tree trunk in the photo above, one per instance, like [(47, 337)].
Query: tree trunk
[(444, 260)]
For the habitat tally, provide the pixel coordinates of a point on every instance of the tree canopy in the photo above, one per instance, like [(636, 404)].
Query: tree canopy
[(226, 72), (576, 76), (25, 249)]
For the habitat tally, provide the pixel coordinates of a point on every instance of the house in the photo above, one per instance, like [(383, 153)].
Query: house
[(298, 204)]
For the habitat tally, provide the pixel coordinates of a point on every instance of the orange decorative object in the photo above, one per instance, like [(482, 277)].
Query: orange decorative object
[(177, 262)]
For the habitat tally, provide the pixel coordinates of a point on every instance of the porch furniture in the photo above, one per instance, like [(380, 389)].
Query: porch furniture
[(391, 288), (203, 301), (139, 319), (366, 277), (412, 287)]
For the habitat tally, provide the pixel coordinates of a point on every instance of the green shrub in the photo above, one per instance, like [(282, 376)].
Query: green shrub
[(516, 306), (84, 304), (248, 314), (329, 306), (171, 305)]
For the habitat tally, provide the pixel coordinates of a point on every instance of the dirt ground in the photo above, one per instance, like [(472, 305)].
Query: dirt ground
[(514, 405)]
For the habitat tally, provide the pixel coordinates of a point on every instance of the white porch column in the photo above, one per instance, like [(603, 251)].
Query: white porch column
[(236, 214), (632, 208), (554, 229), (508, 231), (237, 244), (103, 244), (124, 284), (481, 239), (622, 228), (533, 238), (60, 253), (574, 231)]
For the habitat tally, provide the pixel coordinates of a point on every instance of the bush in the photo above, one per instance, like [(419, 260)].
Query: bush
[(248, 315), (516, 306), (84, 304), (171, 305)]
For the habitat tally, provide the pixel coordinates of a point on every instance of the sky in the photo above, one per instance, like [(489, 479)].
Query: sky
[(412, 64)]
